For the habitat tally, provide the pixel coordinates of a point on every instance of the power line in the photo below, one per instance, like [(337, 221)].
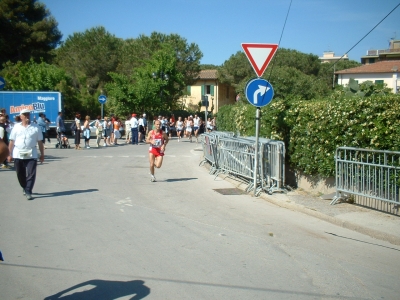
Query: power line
[(365, 35), (283, 29)]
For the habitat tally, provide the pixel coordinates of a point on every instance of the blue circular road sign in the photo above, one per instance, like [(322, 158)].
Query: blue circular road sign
[(102, 99), (259, 92), (2, 83)]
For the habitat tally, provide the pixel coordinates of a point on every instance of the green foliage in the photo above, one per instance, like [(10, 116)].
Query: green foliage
[(32, 76), (135, 52), (292, 74), (27, 31), (88, 57), (365, 89), (312, 130), (141, 92)]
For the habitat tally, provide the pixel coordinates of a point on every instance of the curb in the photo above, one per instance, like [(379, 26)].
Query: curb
[(383, 236)]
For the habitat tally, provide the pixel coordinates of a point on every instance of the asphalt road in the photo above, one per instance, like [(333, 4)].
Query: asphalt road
[(99, 229)]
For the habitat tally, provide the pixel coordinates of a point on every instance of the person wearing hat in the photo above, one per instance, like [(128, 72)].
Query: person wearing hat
[(134, 130), (22, 146)]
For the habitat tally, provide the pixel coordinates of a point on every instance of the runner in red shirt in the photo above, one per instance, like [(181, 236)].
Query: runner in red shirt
[(157, 140)]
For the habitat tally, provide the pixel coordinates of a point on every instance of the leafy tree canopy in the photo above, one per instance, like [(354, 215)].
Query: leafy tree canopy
[(89, 56), (135, 52), (143, 92), (27, 31)]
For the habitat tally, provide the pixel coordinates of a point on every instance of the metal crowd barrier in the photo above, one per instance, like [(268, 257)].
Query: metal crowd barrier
[(235, 156), (369, 173), (209, 144)]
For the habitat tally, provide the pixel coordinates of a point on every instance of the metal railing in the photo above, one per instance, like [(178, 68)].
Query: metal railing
[(235, 156), (369, 173)]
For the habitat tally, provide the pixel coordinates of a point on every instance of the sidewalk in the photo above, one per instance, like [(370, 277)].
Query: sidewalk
[(367, 221)]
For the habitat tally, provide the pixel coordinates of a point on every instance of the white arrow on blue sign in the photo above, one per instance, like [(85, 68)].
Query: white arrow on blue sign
[(102, 99), (259, 92), (2, 83)]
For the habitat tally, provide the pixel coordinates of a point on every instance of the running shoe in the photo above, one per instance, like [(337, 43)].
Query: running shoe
[(153, 179)]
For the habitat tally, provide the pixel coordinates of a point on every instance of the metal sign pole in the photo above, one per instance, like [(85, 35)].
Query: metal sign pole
[(102, 116), (256, 149)]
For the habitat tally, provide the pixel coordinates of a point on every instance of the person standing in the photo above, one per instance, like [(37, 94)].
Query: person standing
[(22, 148), (86, 132), (99, 130), (134, 129), (145, 127), (106, 132), (117, 126), (60, 123), (142, 133), (42, 125), (157, 140), (4, 138), (128, 132), (78, 131), (48, 122)]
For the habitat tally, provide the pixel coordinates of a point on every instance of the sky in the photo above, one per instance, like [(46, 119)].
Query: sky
[(219, 27)]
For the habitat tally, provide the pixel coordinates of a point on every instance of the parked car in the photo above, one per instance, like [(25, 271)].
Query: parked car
[(93, 128)]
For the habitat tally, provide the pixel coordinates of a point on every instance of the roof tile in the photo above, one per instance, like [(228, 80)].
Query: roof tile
[(385, 66)]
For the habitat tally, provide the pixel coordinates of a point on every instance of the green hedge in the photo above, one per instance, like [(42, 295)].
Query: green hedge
[(312, 130)]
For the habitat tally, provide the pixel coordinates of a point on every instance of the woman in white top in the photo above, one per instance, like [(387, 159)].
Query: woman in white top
[(179, 128), (188, 125)]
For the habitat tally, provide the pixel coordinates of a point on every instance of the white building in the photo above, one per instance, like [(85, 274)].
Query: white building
[(384, 72)]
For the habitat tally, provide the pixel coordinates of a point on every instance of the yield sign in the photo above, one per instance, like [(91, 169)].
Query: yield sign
[(259, 55)]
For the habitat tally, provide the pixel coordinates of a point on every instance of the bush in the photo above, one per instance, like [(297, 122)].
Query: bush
[(312, 130)]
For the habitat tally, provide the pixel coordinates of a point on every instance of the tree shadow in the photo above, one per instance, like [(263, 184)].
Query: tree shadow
[(65, 193), (97, 289), (179, 179)]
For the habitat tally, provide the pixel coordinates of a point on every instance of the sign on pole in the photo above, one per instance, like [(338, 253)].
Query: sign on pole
[(102, 99), (259, 55), (259, 92), (2, 83)]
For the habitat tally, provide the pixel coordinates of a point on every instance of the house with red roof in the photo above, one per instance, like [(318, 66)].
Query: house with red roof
[(381, 72), (207, 84)]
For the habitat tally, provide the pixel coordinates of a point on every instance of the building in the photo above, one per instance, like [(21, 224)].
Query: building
[(373, 56), (384, 72), (329, 56), (207, 84)]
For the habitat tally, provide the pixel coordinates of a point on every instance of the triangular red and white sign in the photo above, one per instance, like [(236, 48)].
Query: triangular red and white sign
[(259, 55)]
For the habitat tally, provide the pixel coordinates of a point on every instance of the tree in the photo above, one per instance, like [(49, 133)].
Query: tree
[(141, 92), (27, 31), (135, 52), (32, 76), (89, 56)]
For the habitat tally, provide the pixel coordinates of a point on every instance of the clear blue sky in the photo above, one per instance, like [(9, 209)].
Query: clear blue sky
[(219, 27)]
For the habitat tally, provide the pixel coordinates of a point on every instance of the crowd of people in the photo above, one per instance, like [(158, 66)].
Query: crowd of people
[(23, 139), (109, 131)]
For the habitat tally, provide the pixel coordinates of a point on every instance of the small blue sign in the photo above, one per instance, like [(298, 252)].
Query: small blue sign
[(2, 83), (259, 92), (102, 99)]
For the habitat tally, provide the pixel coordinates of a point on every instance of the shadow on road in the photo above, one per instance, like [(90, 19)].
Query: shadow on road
[(103, 289), (65, 193), (179, 179)]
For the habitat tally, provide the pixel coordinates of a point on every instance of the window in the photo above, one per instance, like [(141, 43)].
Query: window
[(207, 90), (371, 60), (379, 82), (188, 90)]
